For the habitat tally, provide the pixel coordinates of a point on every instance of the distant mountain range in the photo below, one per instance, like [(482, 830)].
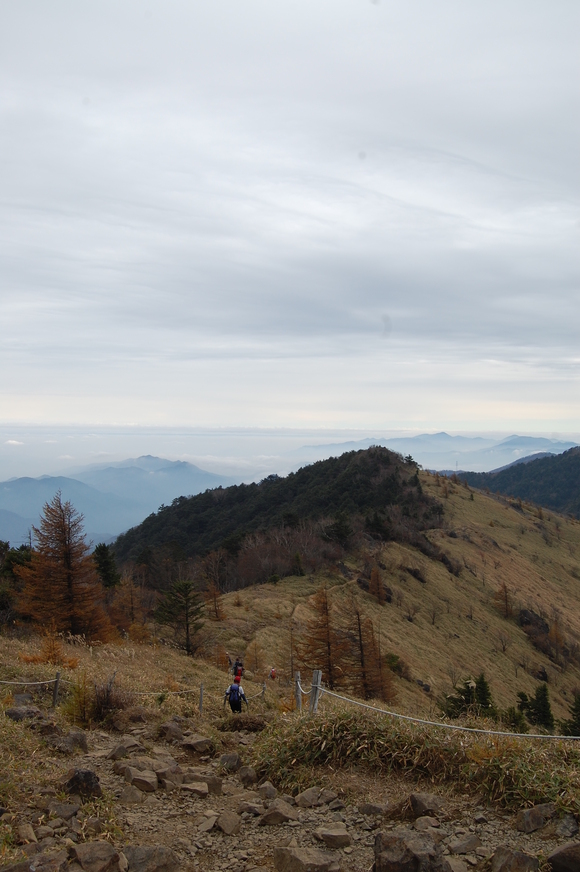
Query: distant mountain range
[(111, 497), (440, 451), (552, 482)]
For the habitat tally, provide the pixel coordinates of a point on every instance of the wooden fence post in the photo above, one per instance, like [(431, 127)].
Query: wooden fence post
[(298, 692), (201, 698), (263, 690), (55, 690), (315, 691)]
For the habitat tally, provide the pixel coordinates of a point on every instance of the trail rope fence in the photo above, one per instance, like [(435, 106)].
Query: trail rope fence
[(320, 689)]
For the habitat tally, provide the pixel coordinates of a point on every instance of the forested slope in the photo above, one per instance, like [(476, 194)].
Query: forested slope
[(553, 482)]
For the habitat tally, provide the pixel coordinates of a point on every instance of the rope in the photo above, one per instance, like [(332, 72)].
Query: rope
[(302, 691), (446, 726), (159, 692), (32, 683)]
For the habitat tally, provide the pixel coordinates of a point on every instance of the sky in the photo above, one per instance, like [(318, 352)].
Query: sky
[(336, 215)]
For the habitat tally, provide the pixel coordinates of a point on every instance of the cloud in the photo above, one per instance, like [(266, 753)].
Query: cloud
[(13, 442)]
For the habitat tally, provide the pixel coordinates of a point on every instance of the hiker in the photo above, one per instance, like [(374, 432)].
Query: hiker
[(234, 695), (238, 669), (273, 673)]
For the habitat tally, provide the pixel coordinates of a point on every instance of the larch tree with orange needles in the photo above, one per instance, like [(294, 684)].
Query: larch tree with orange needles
[(324, 645), (60, 586)]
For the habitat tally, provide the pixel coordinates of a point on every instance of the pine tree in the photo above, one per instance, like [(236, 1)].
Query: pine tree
[(106, 566), (60, 585), (181, 608), (537, 709), (571, 727), (324, 646)]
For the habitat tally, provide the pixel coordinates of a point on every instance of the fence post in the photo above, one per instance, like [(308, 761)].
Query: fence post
[(298, 692), (201, 698), (315, 691), (263, 690), (55, 690)]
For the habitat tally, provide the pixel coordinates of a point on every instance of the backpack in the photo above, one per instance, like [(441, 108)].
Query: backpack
[(235, 693)]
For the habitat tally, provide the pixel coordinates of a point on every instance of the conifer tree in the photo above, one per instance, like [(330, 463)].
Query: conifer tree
[(60, 585), (106, 566), (324, 646), (181, 608), (571, 727)]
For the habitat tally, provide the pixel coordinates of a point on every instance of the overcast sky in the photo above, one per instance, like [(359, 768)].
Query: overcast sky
[(329, 213)]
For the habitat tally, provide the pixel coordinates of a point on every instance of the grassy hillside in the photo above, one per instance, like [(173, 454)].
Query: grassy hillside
[(553, 482)]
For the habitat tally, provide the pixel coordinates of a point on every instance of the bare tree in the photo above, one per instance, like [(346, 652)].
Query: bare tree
[(504, 640)]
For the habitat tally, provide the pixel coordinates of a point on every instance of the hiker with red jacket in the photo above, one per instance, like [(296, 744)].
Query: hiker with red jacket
[(234, 695)]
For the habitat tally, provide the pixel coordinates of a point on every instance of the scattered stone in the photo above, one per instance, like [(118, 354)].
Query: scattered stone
[(147, 858), (22, 712), (369, 809), (230, 762), (457, 865), (303, 860), (144, 780), (405, 850), (506, 859), (208, 824), (117, 753), (566, 858), (531, 819), (267, 790), (250, 808), (327, 796), (197, 788), (426, 804), (308, 798), (64, 810), (247, 775), (131, 796), (96, 856), (564, 828), (26, 834), (82, 782), (197, 744), (336, 805), (279, 812), (423, 824), (334, 836), (229, 823), (464, 844), (171, 731), (480, 818)]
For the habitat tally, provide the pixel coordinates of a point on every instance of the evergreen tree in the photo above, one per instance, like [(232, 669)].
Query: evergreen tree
[(324, 646), (106, 566), (470, 696), (483, 695), (571, 727), (181, 609), (537, 709), (60, 585)]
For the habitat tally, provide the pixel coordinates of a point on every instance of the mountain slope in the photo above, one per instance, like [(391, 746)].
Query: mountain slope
[(355, 483), (553, 482)]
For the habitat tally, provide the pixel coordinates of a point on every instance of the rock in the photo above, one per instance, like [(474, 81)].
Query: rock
[(171, 731), (327, 796), (336, 805), (22, 712), (457, 865), (145, 780), (303, 860), (64, 810), (147, 858), (369, 809), (308, 798), (422, 824), (564, 828), (49, 862), (96, 856), (506, 859), (131, 796), (230, 762), (279, 812), (75, 740), (334, 836), (25, 834), (566, 858), (117, 753), (208, 824), (426, 804), (198, 744), (229, 822), (82, 782), (531, 819), (197, 788), (247, 775), (267, 790), (405, 850), (131, 743), (250, 808), (464, 844)]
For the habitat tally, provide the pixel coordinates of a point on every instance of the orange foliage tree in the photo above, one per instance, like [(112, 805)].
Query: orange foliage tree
[(324, 645), (60, 586)]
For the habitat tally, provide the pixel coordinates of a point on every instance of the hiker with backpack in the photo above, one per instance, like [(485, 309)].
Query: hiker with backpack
[(234, 695)]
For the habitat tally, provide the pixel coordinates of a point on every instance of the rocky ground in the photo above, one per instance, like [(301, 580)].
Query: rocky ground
[(179, 804)]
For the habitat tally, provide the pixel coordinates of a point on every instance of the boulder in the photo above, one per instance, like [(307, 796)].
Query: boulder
[(171, 731), (25, 834), (196, 788), (149, 858), (41, 863), (131, 796), (64, 810), (464, 844), (303, 860), (327, 796), (566, 858), (371, 809), (564, 828), (82, 782), (405, 850), (229, 823), (22, 712), (145, 780), (197, 744), (96, 856), (426, 804), (230, 762), (333, 836), (531, 819), (506, 859), (279, 812), (250, 808), (247, 775), (308, 798), (267, 791)]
